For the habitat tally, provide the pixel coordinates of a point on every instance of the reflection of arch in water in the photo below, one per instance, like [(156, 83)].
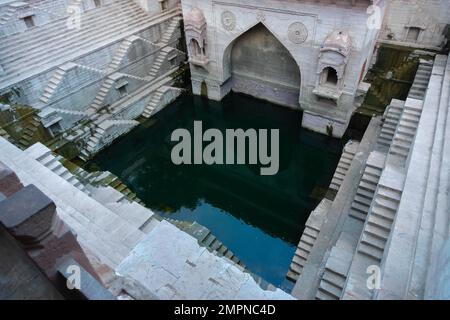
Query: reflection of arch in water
[(260, 65)]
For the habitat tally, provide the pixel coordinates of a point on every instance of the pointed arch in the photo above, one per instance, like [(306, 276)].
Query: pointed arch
[(266, 64)]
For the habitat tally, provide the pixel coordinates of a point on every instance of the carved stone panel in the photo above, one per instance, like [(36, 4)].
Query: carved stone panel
[(228, 20), (297, 33)]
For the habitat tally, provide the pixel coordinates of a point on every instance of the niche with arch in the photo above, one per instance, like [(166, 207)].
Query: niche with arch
[(195, 30), (333, 59)]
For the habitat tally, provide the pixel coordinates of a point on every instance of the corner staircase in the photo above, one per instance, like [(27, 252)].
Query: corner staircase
[(154, 101), (6, 15), (120, 53), (95, 142), (165, 50)]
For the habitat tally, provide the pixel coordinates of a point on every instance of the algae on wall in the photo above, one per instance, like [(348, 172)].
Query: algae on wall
[(391, 78)]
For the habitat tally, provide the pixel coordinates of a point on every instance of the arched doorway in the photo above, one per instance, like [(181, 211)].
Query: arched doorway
[(261, 66)]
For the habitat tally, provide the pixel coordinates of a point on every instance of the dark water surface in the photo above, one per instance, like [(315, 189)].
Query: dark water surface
[(259, 218)]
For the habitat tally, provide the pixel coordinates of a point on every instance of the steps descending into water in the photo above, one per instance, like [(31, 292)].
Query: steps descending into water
[(308, 238), (28, 133), (154, 101), (344, 164), (107, 237), (207, 239)]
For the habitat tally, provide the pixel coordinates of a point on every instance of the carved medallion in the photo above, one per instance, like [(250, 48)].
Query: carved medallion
[(260, 16), (297, 33), (228, 20)]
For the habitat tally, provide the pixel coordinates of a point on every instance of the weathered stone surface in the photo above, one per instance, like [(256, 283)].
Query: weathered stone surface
[(89, 287), (20, 278), (28, 215), (172, 265), (9, 183)]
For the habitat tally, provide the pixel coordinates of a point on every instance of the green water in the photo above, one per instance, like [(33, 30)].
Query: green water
[(259, 218)]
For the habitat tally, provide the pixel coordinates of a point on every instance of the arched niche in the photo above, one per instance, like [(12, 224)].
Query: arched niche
[(332, 62), (195, 31), (258, 64)]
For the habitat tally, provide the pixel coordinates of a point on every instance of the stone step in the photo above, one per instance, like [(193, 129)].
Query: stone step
[(365, 193), (376, 231), (71, 45), (330, 290), (370, 250), (63, 40), (358, 215), (379, 222), (367, 186), (383, 212), (360, 207)]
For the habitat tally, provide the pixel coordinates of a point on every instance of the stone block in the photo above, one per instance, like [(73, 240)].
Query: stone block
[(9, 183), (28, 215), (89, 288)]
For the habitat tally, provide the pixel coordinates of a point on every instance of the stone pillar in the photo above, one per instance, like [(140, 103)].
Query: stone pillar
[(29, 216)]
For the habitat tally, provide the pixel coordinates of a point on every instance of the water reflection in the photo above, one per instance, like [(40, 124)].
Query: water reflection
[(260, 218)]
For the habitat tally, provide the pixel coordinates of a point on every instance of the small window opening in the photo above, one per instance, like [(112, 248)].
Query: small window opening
[(29, 22)]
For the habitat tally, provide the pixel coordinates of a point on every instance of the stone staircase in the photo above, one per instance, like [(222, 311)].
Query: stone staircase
[(4, 134), (106, 237), (45, 156), (52, 85), (420, 84), (379, 222), (101, 94), (29, 131), (120, 53), (95, 142), (406, 129), (154, 101), (308, 238), (165, 50), (205, 238), (390, 123), (343, 165), (334, 276), (69, 112), (366, 188), (6, 15), (421, 224), (41, 48)]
